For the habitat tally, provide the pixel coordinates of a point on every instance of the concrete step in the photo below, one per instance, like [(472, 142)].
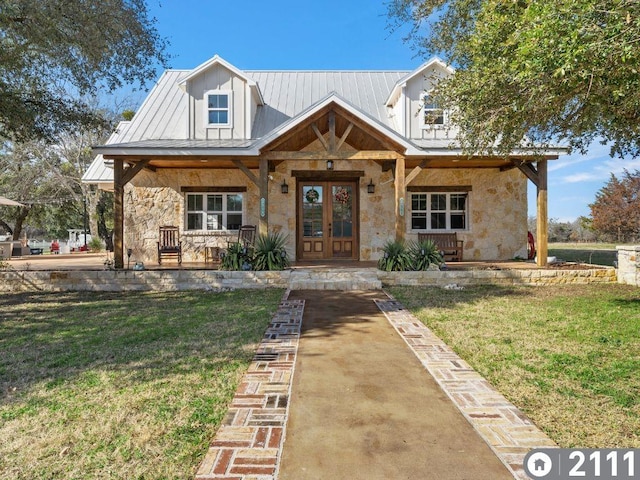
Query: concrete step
[(342, 285), (348, 279)]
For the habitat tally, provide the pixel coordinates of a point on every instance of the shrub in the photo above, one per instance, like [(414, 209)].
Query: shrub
[(424, 254), (270, 253), (395, 257), (237, 257), (95, 245)]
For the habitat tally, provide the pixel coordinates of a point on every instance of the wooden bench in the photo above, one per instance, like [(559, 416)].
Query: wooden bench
[(447, 243)]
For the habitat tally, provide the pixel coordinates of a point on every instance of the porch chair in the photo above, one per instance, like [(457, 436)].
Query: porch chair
[(246, 237), (169, 244)]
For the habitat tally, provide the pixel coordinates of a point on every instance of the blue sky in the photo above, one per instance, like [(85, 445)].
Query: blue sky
[(347, 35)]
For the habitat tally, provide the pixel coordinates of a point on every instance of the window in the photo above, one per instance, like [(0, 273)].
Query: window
[(432, 114), (218, 108), (439, 211), (214, 211)]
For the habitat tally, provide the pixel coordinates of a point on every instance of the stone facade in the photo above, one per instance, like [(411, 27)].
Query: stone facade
[(497, 209), (629, 265)]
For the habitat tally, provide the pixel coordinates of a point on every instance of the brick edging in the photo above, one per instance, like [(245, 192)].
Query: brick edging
[(507, 431), (248, 444)]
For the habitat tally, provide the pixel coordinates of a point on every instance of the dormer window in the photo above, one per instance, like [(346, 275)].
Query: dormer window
[(218, 108), (432, 114)]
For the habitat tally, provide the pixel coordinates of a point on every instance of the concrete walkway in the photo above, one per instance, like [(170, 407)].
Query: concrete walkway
[(375, 395), (364, 407)]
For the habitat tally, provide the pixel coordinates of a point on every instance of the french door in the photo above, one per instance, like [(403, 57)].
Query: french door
[(327, 220)]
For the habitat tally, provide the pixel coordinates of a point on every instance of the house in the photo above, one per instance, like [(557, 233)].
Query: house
[(339, 161)]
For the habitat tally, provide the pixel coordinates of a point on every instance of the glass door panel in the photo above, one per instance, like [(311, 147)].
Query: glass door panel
[(313, 220), (342, 203)]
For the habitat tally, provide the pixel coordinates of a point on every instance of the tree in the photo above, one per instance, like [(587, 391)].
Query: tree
[(30, 172), (47, 178), (616, 210), (55, 52), (539, 70)]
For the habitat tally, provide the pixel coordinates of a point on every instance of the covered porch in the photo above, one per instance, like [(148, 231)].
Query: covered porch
[(331, 148)]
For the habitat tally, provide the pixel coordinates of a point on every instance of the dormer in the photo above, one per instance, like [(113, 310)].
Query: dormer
[(223, 101), (414, 113)]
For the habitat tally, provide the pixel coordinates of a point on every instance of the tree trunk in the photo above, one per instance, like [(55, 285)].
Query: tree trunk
[(22, 216), (6, 226), (93, 197), (103, 231)]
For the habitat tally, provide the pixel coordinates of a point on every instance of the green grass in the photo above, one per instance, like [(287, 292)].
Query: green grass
[(592, 253), (120, 386), (568, 356)]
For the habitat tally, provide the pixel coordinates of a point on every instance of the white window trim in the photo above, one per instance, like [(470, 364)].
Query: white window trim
[(423, 111), (204, 212), (229, 124), (448, 213)]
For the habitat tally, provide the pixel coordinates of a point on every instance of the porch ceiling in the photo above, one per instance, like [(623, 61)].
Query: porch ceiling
[(378, 155)]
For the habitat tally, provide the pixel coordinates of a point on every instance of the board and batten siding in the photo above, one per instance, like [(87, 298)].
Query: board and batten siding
[(414, 90), (218, 78)]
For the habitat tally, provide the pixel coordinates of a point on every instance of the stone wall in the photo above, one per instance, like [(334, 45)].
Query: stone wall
[(629, 265), (497, 208), (13, 281)]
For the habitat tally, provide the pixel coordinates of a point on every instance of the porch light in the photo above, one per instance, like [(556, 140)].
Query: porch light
[(284, 188), (371, 188), (329, 164)]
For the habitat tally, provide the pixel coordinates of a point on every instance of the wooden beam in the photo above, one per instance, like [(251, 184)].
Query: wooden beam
[(530, 171), (263, 225), (344, 136), (332, 132), (415, 172), (542, 224), (133, 170), (400, 195), (118, 214), (339, 155), (388, 165), (246, 171), (320, 137), (327, 174)]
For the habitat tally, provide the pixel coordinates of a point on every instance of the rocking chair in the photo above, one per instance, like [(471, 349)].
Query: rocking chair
[(246, 237), (169, 244)]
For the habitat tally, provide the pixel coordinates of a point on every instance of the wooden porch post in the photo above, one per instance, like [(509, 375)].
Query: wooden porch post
[(542, 224), (400, 195), (118, 214), (263, 227)]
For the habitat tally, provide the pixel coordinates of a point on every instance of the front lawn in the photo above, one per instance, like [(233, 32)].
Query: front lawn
[(592, 253), (120, 386), (568, 356)]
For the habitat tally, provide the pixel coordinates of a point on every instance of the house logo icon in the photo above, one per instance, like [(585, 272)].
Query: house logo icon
[(538, 465)]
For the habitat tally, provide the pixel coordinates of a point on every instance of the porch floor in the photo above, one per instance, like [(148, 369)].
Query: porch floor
[(96, 261)]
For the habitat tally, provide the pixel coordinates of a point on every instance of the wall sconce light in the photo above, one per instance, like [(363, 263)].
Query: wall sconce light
[(371, 188), (284, 188), (329, 164)]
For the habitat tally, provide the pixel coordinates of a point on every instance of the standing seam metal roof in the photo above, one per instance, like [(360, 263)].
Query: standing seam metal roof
[(163, 115)]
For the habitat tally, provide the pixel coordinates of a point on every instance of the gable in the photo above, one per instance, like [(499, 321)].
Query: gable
[(344, 122)]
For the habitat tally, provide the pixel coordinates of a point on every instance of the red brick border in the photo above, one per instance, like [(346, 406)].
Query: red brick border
[(248, 444)]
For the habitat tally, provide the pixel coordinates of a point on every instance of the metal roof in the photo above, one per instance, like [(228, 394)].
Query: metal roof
[(162, 120), (288, 93)]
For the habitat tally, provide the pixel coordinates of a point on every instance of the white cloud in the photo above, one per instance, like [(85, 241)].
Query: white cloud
[(582, 177), (602, 169), (596, 151)]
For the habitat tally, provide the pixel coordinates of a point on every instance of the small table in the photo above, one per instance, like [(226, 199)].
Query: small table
[(212, 254)]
